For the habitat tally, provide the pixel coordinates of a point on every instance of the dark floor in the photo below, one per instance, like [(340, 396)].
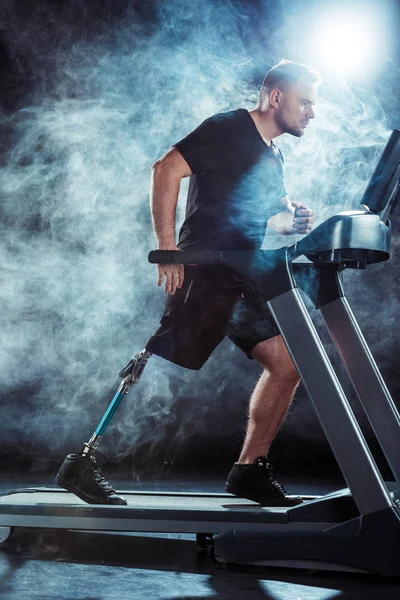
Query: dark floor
[(80, 565)]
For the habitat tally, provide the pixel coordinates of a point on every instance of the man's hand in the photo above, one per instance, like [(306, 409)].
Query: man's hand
[(303, 220), (174, 275)]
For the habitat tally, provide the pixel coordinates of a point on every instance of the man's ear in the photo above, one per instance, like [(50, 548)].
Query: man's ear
[(275, 97)]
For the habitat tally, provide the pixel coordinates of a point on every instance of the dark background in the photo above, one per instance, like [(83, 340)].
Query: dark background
[(92, 93)]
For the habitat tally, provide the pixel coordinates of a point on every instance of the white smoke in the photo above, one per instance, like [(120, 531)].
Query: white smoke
[(78, 296)]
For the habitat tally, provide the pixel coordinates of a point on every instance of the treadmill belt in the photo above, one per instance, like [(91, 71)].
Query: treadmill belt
[(141, 499), (146, 511)]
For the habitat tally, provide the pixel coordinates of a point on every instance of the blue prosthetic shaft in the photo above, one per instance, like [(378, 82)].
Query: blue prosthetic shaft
[(130, 375)]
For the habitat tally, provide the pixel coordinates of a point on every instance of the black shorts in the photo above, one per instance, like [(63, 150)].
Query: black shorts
[(213, 303)]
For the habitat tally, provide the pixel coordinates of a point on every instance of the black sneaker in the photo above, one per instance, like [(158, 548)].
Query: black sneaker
[(256, 482), (82, 476)]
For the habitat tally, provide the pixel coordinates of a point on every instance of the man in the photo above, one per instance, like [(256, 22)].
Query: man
[(236, 189)]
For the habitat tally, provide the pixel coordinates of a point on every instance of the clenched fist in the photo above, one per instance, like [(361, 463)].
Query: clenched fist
[(303, 220)]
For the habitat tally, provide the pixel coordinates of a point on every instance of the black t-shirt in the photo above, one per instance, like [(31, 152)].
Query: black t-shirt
[(236, 185)]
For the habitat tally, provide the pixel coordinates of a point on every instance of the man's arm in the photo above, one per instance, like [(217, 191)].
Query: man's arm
[(166, 177), (294, 218)]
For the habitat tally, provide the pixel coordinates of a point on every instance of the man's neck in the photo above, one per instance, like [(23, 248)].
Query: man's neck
[(265, 124)]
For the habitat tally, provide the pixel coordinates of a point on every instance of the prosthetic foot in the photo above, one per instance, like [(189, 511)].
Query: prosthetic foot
[(256, 482)]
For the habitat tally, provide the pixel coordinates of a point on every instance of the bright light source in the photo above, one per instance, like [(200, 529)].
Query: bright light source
[(342, 44), (346, 42)]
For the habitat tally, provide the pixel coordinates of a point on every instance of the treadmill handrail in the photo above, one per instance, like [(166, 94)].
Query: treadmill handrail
[(347, 230)]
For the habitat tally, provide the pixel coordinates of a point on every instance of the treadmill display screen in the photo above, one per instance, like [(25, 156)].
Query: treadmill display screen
[(383, 189)]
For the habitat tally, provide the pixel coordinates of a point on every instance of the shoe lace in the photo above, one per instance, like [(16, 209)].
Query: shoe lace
[(98, 476), (262, 462)]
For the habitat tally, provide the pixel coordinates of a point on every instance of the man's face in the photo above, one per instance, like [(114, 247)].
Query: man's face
[(295, 108)]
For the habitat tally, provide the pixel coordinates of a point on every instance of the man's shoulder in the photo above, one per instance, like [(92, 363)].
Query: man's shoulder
[(230, 117), (233, 129)]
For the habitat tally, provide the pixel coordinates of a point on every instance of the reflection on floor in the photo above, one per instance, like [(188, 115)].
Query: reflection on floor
[(81, 565)]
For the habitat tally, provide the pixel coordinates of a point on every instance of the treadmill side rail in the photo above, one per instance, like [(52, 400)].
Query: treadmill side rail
[(366, 378), (332, 407)]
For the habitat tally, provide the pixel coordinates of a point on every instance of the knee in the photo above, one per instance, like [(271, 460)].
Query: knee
[(276, 361), (283, 371), (280, 367)]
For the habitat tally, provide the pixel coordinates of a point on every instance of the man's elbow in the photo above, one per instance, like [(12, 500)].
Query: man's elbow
[(172, 163), (157, 165), (161, 173)]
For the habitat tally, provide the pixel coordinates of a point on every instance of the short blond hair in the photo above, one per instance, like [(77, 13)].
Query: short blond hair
[(287, 73)]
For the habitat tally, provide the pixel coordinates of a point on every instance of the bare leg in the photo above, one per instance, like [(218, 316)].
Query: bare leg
[(271, 398)]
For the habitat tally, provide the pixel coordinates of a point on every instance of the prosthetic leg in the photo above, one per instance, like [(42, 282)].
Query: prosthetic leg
[(80, 473), (130, 375)]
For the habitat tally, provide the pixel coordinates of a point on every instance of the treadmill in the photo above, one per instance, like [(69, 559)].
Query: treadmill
[(353, 529)]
